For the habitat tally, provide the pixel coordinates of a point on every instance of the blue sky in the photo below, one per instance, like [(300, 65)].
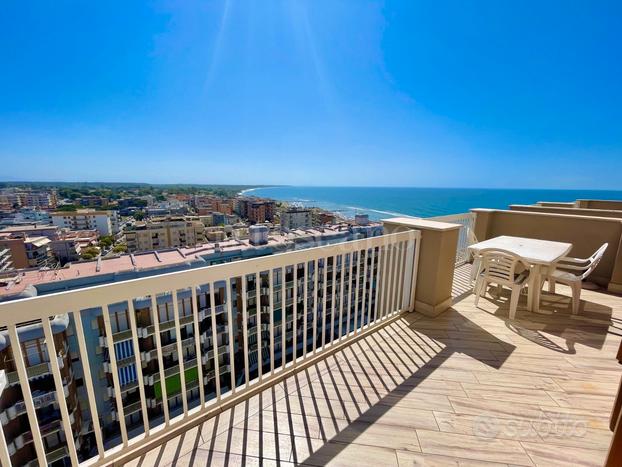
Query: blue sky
[(322, 92)]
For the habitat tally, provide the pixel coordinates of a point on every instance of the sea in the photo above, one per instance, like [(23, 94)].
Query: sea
[(382, 202)]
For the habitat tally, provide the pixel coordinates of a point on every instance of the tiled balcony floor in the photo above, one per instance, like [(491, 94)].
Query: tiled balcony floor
[(466, 388)]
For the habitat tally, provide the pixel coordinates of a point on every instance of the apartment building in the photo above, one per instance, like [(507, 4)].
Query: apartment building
[(27, 216), (6, 260), (261, 211), (163, 233), (92, 201), (13, 412), (105, 222), (11, 198), (33, 230), (27, 252), (296, 218), (68, 246)]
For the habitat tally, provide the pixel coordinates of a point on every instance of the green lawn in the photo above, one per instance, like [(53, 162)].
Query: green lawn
[(173, 383)]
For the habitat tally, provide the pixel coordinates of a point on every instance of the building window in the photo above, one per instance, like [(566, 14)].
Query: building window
[(124, 349), (127, 374)]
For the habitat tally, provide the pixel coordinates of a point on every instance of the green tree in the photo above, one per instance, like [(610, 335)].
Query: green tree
[(89, 253), (120, 248), (106, 241)]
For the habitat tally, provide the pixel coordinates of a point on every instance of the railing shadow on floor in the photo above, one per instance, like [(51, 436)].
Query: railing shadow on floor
[(326, 411), (409, 382)]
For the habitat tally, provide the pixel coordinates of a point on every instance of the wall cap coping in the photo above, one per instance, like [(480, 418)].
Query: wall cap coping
[(565, 208), (549, 214), (421, 224)]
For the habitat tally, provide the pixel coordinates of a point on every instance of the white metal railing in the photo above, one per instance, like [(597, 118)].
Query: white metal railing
[(347, 288), (466, 236)]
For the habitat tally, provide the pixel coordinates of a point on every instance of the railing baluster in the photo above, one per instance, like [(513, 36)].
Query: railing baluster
[(31, 412), (356, 291), (283, 318), (197, 344), (342, 270), (385, 281), (349, 294), (333, 308), (391, 287), (324, 291), (5, 458), (139, 367), (229, 293), (212, 302), (378, 282), (112, 355), (88, 382), (259, 326), (245, 331), (404, 257), (271, 290), (396, 277), (60, 392), (295, 316), (180, 354), (371, 284), (364, 290), (305, 292), (155, 317), (316, 273)]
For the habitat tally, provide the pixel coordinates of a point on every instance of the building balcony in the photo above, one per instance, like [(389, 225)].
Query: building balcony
[(411, 373)]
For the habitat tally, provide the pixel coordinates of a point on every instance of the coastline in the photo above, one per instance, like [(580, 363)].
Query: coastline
[(382, 202)]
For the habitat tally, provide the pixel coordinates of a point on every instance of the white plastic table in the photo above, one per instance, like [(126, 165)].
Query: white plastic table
[(537, 253)]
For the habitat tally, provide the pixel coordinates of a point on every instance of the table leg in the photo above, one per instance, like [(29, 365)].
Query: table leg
[(531, 288), (537, 289)]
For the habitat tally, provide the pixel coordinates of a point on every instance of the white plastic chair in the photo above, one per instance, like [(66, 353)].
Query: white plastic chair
[(572, 272), (502, 268), (476, 257)]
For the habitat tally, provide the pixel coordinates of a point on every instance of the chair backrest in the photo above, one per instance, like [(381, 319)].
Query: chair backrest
[(500, 266), (594, 260), (471, 238)]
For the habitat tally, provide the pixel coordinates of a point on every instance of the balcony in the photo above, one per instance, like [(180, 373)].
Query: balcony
[(370, 380), (468, 387)]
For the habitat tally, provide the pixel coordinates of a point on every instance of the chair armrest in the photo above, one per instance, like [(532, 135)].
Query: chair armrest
[(569, 259)]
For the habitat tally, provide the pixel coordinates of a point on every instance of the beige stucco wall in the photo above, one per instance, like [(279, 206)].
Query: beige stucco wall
[(586, 233), (567, 210), (599, 204), (437, 259)]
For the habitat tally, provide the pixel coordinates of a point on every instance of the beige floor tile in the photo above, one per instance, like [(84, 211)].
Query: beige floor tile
[(347, 455), (473, 447), (415, 459), (549, 455), (487, 427)]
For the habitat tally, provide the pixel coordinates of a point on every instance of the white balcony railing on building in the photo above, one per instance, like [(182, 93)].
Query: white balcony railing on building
[(465, 237), (351, 288)]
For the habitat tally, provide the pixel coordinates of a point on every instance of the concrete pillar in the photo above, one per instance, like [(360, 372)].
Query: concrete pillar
[(437, 260)]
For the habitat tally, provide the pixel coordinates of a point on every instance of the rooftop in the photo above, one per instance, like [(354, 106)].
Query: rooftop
[(154, 261), (469, 387)]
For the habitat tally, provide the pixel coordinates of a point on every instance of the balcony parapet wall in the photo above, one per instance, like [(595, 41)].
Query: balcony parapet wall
[(437, 258)]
